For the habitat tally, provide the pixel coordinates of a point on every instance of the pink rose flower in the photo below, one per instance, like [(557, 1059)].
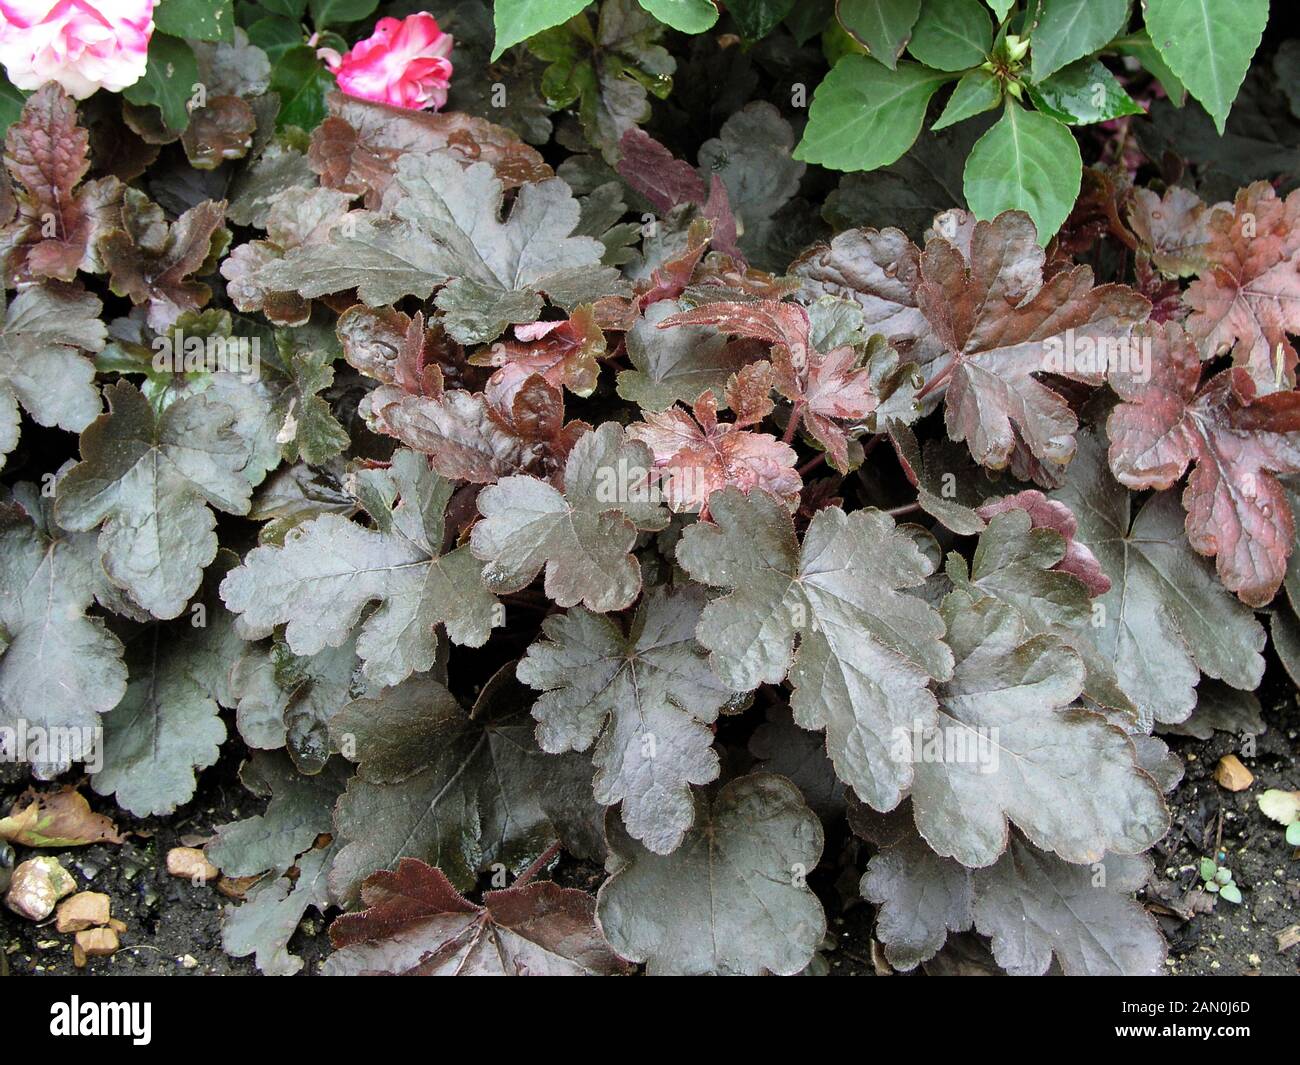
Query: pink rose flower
[(404, 63), (84, 45)]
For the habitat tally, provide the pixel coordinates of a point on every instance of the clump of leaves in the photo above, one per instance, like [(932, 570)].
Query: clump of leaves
[(1217, 879), (588, 507)]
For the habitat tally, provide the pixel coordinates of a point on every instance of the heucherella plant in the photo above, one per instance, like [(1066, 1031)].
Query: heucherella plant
[(599, 532)]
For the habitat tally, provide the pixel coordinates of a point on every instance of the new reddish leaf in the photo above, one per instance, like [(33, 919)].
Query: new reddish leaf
[(1237, 441), (1249, 298), (417, 924)]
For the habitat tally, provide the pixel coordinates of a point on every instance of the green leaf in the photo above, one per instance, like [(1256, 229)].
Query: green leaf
[(757, 18), (517, 20), (289, 9), (883, 26), (331, 569), (732, 899), (583, 536), (189, 455), (1293, 834), (1140, 47), (43, 334), (1027, 162), (196, 20), (1230, 893), (1208, 45), (48, 580), (689, 16), (1067, 778), (864, 115), (275, 36), (1071, 29), (165, 727), (645, 700), (168, 80), (271, 912), (1207, 869), (303, 83), (867, 649), (1083, 93), (459, 790), (952, 34), (977, 92), (11, 103), (674, 365), (299, 810), (336, 12), (1001, 7)]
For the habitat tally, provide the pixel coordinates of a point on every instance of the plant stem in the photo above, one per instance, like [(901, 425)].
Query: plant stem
[(796, 416), (811, 465), (543, 860)]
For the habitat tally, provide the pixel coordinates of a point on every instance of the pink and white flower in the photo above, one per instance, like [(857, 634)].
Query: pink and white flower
[(84, 45), (403, 63)]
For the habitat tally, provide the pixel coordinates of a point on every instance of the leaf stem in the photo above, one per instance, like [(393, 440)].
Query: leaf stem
[(543, 860), (796, 416), (899, 512)]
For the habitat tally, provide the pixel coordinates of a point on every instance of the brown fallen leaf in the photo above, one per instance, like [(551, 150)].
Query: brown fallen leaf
[(1231, 775), (60, 818), (1288, 938)]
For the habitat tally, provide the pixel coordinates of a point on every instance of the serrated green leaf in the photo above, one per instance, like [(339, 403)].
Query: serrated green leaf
[(1083, 93), (1026, 162), (977, 92), (165, 728), (1067, 30), (689, 16), (758, 18), (864, 115), (1140, 47), (649, 696), (189, 455), (196, 20), (330, 569), (1208, 44), (168, 81), (517, 20), (302, 83), (11, 103), (867, 649), (882, 26), (270, 914), (325, 13), (732, 899), (952, 34)]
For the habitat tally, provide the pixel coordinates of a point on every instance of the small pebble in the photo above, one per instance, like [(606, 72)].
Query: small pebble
[(37, 885), (190, 863), (93, 943), (86, 909)]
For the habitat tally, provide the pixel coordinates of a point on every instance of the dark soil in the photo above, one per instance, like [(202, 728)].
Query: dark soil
[(174, 927)]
